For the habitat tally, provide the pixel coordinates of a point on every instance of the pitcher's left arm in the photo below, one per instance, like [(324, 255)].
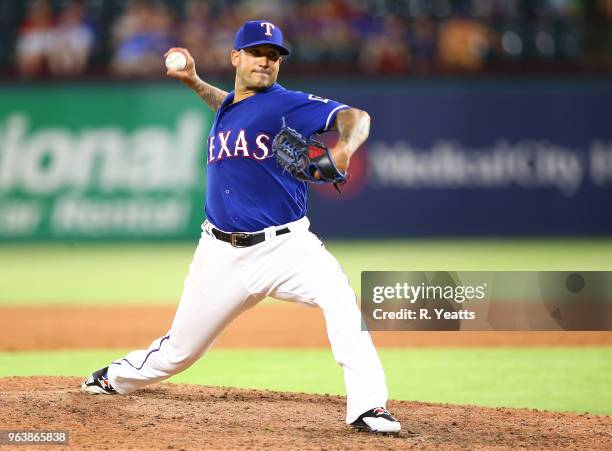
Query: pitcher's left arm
[(353, 125)]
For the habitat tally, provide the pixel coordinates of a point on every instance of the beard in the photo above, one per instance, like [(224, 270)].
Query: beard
[(258, 82)]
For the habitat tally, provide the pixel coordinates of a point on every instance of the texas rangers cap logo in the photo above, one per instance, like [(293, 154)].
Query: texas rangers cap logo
[(259, 32), (269, 27)]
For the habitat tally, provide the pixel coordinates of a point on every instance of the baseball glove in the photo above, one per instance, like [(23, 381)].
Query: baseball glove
[(303, 157)]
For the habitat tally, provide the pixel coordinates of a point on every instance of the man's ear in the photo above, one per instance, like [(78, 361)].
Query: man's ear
[(234, 56)]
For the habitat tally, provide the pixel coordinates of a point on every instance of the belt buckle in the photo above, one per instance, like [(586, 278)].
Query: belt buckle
[(234, 237)]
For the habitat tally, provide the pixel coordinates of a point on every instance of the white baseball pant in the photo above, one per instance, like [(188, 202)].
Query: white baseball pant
[(224, 281)]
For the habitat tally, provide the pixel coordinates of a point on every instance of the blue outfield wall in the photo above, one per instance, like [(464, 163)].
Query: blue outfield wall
[(444, 158), (477, 159)]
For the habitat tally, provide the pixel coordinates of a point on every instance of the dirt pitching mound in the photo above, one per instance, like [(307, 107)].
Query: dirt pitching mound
[(170, 416)]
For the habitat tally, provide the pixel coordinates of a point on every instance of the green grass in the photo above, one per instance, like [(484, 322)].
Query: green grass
[(557, 379), (153, 274)]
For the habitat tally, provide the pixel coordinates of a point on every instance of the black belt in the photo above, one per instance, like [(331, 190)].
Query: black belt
[(240, 239)]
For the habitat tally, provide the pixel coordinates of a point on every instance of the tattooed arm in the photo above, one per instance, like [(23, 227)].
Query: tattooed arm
[(212, 95), (354, 128)]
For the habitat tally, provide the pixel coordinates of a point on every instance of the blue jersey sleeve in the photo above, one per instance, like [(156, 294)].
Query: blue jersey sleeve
[(310, 114)]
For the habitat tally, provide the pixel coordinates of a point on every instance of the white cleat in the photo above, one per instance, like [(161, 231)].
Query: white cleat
[(98, 384), (377, 420)]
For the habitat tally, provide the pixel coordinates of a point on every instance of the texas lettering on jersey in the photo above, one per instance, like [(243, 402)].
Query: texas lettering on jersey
[(225, 144), (246, 190)]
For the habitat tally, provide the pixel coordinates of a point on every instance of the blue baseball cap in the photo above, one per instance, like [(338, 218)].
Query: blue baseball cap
[(259, 32)]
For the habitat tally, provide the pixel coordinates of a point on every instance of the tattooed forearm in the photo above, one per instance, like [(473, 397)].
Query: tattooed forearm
[(210, 94), (354, 128)]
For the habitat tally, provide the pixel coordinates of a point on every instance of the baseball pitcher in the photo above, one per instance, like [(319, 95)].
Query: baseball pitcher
[(256, 241)]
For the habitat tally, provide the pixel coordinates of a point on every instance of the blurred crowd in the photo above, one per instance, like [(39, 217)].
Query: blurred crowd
[(127, 38)]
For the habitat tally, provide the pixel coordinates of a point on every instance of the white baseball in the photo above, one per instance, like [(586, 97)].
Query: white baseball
[(176, 61)]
